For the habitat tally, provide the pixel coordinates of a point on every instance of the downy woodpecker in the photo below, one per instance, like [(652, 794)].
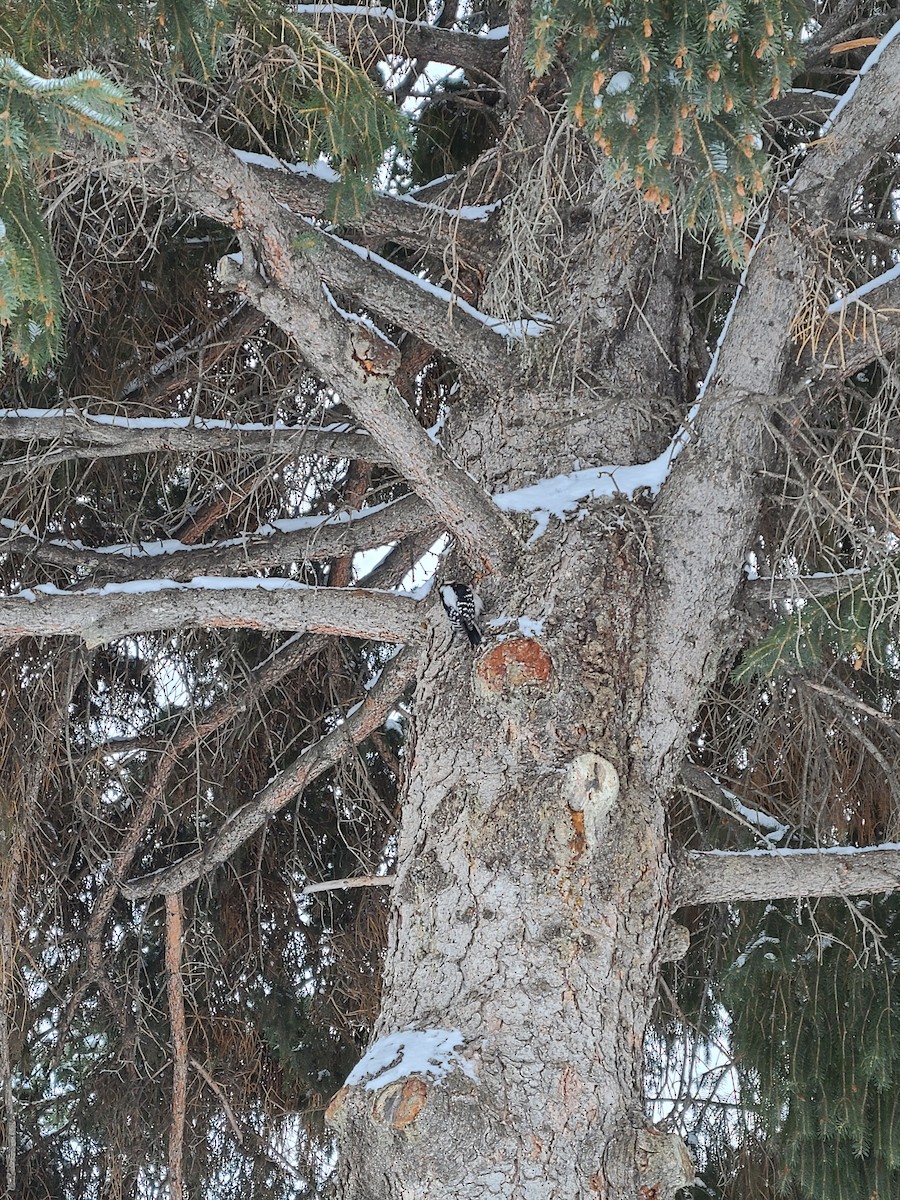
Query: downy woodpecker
[(463, 607)]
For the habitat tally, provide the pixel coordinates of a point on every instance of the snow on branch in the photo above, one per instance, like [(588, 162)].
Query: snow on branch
[(285, 284), (81, 434), (118, 610), (710, 876), (282, 541), (432, 313), (318, 758), (309, 191), (709, 503)]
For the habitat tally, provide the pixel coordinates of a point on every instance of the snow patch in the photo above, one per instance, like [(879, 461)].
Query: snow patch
[(431, 1052), (620, 82), (562, 495), (321, 169), (762, 940)]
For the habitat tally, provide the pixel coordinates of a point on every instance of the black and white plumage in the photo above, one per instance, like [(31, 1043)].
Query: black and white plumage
[(464, 607)]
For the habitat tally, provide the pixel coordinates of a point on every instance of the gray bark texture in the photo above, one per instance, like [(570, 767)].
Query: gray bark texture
[(535, 888)]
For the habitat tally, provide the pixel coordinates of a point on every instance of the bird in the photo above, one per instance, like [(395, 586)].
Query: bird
[(464, 607)]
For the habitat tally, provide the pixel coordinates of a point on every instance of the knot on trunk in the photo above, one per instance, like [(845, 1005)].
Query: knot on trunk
[(663, 1163), (514, 664), (590, 790), (407, 1102)]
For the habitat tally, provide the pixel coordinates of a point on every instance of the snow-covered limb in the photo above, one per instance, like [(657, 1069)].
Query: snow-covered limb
[(708, 876), (109, 435), (313, 762), (212, 181), (122, 610), (400, 219), (285, 541), (708, 506), (410, 300), (290, 655)]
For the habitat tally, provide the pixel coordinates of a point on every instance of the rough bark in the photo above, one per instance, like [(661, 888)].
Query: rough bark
[(530, 906), (534, 885), (105, 614), (527, 912), (707, 877)]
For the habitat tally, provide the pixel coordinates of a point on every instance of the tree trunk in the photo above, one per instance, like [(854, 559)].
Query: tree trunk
[(530, 906)]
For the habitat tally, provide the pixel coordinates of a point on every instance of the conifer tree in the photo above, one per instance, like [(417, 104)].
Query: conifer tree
[(257, 799)]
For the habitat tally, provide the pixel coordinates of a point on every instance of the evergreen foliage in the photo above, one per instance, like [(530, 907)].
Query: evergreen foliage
[(275, 83), (675, 94), (858, 623), (35, 114), (814, 1000)]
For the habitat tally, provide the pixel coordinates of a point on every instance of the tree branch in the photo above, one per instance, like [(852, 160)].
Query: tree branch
[(710, 876), (175, 991), (214, 181), (800, 587), (357, 881), (123, 610), (363, 36), (710, 503), (313, 762), (438, 319), (290, 656), (317, 539), (108, 435), (419, 225), (211, 180)]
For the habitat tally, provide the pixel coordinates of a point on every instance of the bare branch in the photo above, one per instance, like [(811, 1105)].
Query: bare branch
[(313, 762), (211, 180), (122, 610), (706, 877), (175, 991), (109, 435), (315, 540), (290, 656), (358, 881), (364, 37), (801, 587)]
